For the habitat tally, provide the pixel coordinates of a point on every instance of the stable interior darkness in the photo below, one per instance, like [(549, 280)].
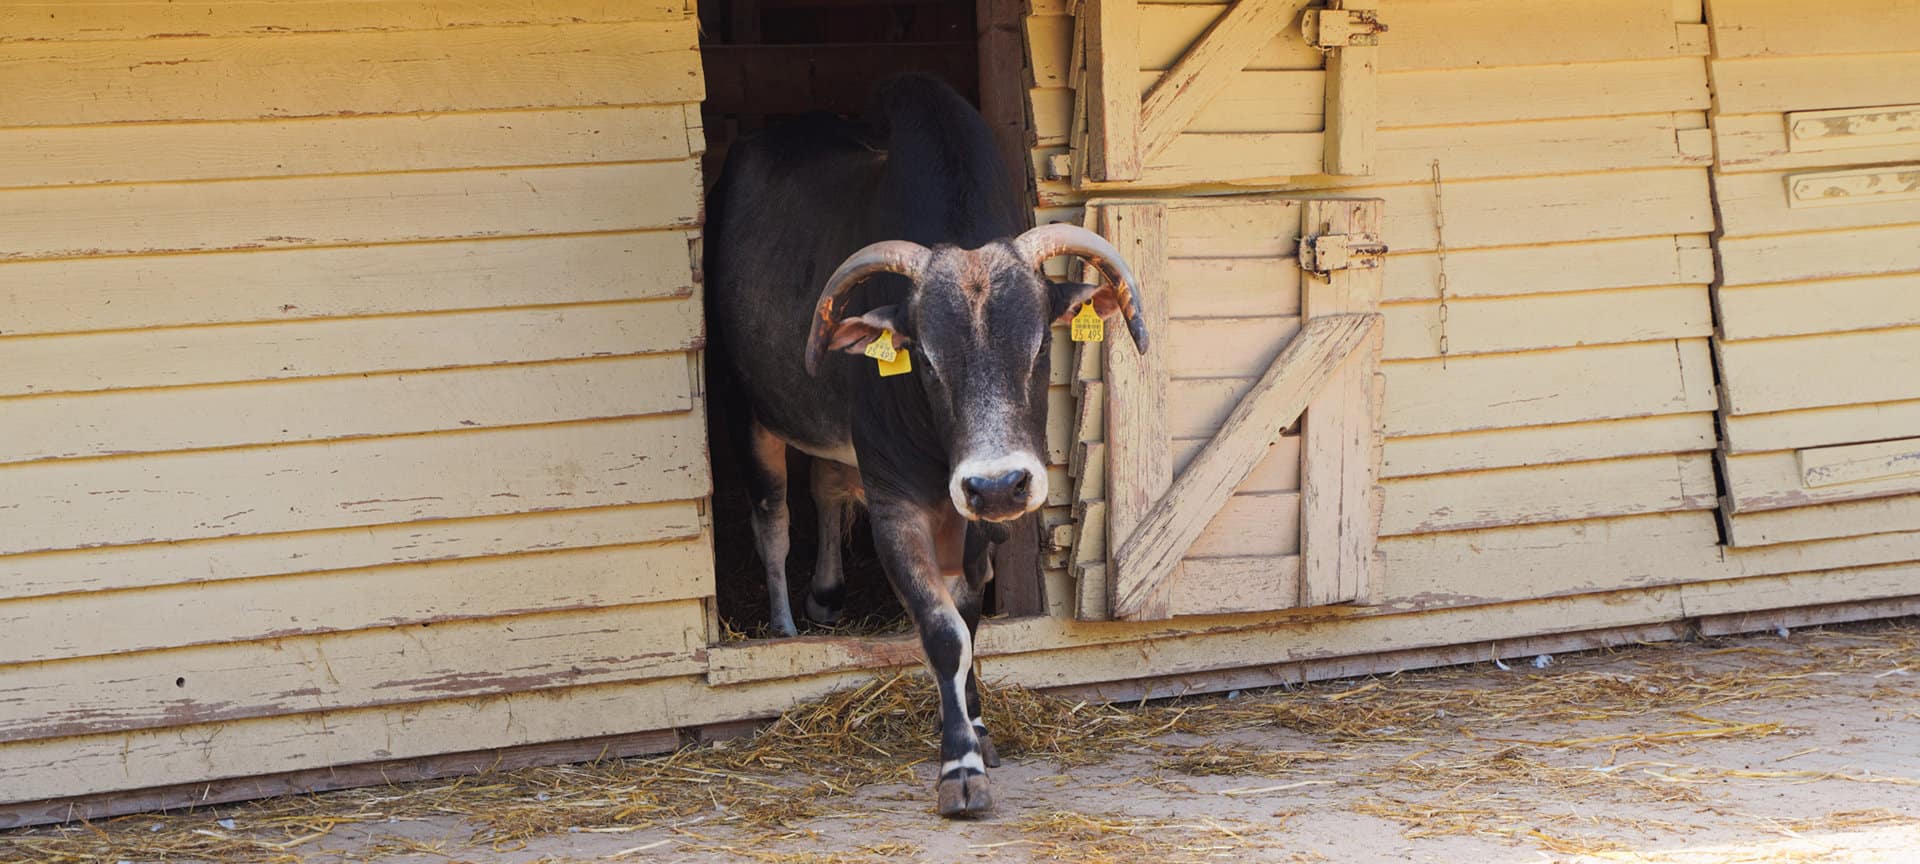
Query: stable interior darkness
[(767, 60)]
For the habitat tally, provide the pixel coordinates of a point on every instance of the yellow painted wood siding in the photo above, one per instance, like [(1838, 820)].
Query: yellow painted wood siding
[(348, 382), (1820, 304)]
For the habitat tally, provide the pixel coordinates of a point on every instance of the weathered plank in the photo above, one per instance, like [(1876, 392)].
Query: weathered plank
[(1339, 471), (1823, 255), (1353, 116), (1824, 521), (134, 359), (1554, 493), (1853, 463), (129, 622), (1537, 321), (1806, 308), (1114, 150), (382, 666), (71, 155), (1813, 428), (1543, 92), (1501, 391), (1477, 33), (1761, 28), (1554, 209), (325, 74), (1766, 202), (1278, 470), (1766, 142), (123, 422), (1232, 288), (1519, 271), (1139, 453), (1546, 445), (254, 556), (1203, 71), (173, 290), (1783, 479), (223, 493), (1768, 375), (1226, 347), (1484, 151), (1252, 227), (1169, 529), (54, 222), (1229, 586), (1759, 85), (53, 20)]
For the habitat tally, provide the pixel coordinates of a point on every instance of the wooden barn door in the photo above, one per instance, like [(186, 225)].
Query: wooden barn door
[(1199, 487)]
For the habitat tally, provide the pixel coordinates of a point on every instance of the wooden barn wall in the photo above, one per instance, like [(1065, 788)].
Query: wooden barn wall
[(1555, 472), (1818, 181), (349, 405)]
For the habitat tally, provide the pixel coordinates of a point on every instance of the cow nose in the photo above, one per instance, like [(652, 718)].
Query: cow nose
[(996, 496)]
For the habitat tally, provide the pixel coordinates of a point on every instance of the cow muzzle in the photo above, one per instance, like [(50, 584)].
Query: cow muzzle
[(1000, 489)]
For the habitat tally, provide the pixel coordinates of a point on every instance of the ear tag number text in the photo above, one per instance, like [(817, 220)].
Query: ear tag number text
[(1088, 326), (891, 361)]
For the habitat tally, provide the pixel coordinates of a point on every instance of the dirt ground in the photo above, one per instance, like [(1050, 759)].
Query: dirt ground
[(1797, 747)]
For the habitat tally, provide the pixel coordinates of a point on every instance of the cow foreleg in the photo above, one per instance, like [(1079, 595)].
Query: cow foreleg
[(922, 555), (767, 483), (979, 568)]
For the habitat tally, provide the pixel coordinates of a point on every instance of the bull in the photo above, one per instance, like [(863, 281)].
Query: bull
[(826, 236)]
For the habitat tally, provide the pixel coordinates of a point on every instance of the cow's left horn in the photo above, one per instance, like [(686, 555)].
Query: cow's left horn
[(1047, 241), (887, 256)]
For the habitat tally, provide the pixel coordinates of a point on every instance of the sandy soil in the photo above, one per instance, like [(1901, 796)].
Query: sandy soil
[(1804, 748)]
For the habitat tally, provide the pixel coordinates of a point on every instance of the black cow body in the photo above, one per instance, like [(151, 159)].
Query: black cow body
[(917, 207)]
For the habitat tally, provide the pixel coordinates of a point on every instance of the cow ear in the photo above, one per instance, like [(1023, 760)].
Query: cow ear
[(853, 335), (1068, 297)]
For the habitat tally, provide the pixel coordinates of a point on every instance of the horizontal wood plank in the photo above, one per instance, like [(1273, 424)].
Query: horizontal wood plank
[(1762, 28), (328, 74), (1437, 35), (122, 422), (1499, 391), (1555, 493), (1760, 142), (293, 487), (1831, 306), (258, 555), (1758, 203), (1550, 209), (1488, 326), (1769, 375), (81, 294), (126, 622), (80, 221), (1820, 255), (134, 359), (1546, 445), (76, 155), (1277, 471), (1576, 145), (1227, 586), (1841, 519), (57, 21), (1513, 93), (1232, 288), (1524, 270), (1757, 85), (1842, 424), (1226, 347), (382, 666), (1776, 481)]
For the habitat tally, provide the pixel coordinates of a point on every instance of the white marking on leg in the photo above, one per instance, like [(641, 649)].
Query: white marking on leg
[(971, 762)]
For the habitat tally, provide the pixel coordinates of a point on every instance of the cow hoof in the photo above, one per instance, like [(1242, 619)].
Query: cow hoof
[(987, 754), (965, 796), (821, 613), (783, 628)]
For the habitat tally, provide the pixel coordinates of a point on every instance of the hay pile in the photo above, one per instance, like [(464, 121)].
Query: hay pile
[(1443, 752)]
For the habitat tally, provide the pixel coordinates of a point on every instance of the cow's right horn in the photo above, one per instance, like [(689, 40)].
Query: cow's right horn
[(1060, 238), (887, 256)]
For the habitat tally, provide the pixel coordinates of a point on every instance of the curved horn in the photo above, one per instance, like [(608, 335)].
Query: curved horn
[(1047, 241), (887, 256)]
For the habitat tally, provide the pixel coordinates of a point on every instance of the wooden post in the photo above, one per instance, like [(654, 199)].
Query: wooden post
[(1339, 472), (1352, 99), (1139, 446), (1113, 94)]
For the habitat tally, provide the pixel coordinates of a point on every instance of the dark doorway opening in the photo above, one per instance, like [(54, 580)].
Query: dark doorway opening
[(769, 60)]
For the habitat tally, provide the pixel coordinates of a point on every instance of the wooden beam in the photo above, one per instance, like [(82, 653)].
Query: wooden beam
[(1353, 102), (1340, 467), (1113, 94), (1205, 70), (1166, 533), (1139, 447)]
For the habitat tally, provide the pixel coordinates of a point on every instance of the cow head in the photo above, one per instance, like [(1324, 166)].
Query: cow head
[(977, 322)]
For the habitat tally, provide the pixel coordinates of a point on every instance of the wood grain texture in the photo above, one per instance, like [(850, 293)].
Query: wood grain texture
[(1339, 475), (1204, 70), (1353, 109), (1515, 93), (1768, 375), (1775, 481), (1451, 452), (1565, 267), (1543, 321), (1764, 28), (381, 666), (1502, 391), (1554, 493), (1765, 84), (1831, 306), (82, 221), (223, 493), (109, 20), (1170, 528), (1138, 447), (157, 619), (327, 74), (1789, 430), (1761, 142), (82, 294), (1112, 35), (1823, 255), (286, 554), (1839, 519), (1456, 34), (135, 359)]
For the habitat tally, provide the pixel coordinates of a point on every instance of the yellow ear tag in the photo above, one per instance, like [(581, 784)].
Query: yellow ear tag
[(891, 360), (1088, 326)]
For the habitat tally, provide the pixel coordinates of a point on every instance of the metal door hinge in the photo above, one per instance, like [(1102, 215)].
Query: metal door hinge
[(1322, 254), (1341, 28)]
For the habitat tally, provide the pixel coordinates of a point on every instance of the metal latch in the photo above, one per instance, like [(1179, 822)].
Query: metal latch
[(1341, 28), (1325, 253)]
